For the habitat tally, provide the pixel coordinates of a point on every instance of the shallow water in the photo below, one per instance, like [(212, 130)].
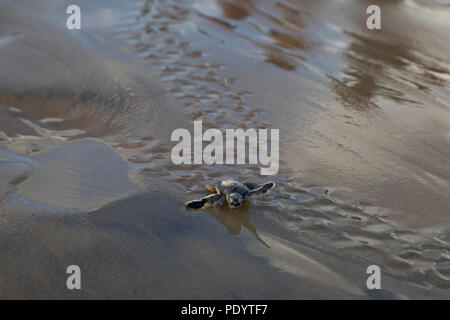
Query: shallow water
[(364, 123)]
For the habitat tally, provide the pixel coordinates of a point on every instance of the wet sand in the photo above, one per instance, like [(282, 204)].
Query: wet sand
[(85, 170)]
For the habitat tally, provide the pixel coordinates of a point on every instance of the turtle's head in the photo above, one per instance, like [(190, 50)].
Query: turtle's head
[(234, 200)]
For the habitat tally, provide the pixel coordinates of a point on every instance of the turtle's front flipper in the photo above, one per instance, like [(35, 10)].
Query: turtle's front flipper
[(204, 202), (250, 185), (259, 191)]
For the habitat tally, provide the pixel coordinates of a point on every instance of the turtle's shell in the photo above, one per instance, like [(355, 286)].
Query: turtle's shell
[(232, 186)]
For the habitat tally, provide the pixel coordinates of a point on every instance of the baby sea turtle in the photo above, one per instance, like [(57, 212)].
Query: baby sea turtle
[(234, 191)]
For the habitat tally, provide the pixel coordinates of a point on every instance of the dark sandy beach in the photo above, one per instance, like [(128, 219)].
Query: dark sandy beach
[(86, 176)]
